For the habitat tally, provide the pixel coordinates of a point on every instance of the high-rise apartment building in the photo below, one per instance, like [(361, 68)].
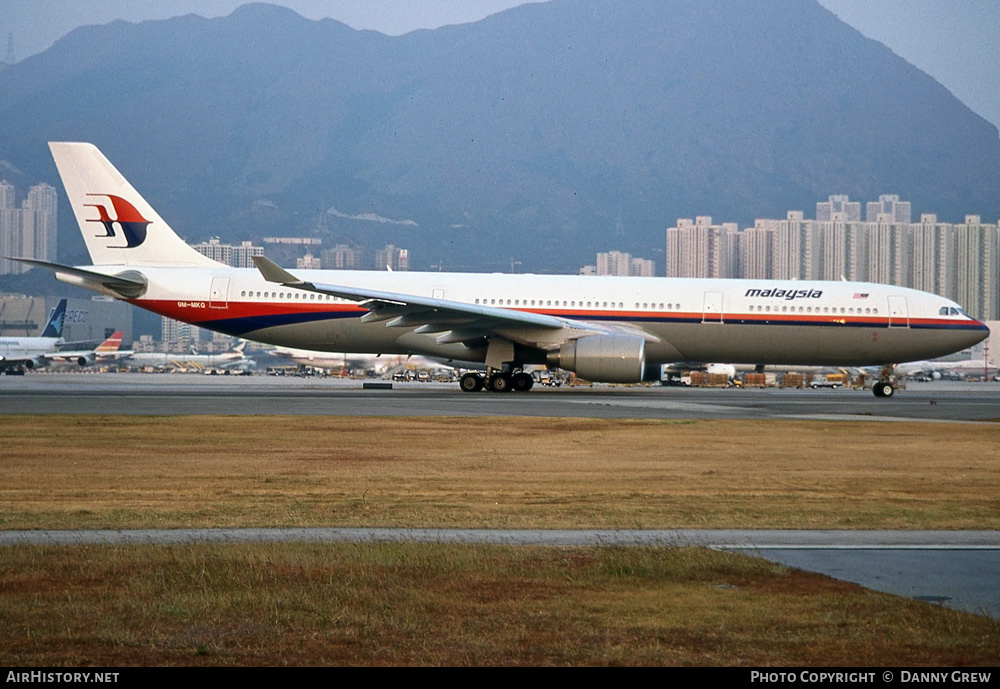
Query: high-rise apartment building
[(177, 336), (308, 262), (343, 257), (755, 251), (641, 267), (236, 256), (621, 264), (10, 229), (700, 249), (960, 262), (888, 204), (931, 255), (28, 231), (392, 258), (613, 263), (977, 267), (849, 210)]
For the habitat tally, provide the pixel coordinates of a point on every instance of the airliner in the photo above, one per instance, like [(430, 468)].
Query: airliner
[(331, 360), (107, 351), (978, 368), (234, 358), (19, 353), (340, 360), (605, 329)]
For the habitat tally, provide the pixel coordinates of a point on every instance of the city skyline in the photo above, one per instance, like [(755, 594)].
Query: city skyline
[(959, 261)]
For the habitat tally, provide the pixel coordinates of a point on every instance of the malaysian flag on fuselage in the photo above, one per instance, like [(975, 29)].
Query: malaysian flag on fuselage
[(861, 295)]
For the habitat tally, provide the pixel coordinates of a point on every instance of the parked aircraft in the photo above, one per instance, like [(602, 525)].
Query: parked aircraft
[(977, 368), (334, 361), (338, 361), (19, 353), (234, 358), (606, 329), (106, 352)]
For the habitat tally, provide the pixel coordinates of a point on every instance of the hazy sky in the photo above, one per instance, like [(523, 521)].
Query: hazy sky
[(955, 41)]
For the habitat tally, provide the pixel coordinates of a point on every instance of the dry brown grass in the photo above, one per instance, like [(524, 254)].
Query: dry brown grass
[(412, 604), (426, 604), (121, 472)]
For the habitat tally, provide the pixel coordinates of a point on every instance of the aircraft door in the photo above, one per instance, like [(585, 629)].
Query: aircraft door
[(898, 316), (219, 297), (713, 308)]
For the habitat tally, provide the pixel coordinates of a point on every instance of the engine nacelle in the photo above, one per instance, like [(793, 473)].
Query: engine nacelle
[(31, 363), (603, 358), (86, 360)]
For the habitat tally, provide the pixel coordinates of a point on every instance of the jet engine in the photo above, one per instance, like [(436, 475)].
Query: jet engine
[(86, 360), (603, 358)]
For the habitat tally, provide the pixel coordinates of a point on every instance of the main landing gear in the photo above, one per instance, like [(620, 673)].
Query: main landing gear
[(885, 386), (503, 370), (507, 380)]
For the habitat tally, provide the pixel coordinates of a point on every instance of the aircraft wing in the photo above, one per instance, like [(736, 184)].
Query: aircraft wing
[(454, 321), (68, 355)]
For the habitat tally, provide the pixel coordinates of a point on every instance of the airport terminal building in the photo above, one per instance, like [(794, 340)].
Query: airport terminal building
[(86, 319)]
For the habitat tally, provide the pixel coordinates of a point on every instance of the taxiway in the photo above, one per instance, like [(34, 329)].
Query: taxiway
[(172, 394)]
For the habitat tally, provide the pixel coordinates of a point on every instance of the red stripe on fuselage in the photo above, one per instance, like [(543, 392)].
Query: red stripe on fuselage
[(201, 311)]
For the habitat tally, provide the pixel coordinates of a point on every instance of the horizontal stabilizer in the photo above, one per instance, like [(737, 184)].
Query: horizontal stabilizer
[(129, 284)]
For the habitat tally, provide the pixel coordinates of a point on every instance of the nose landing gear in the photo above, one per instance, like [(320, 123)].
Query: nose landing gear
[(885, 386)]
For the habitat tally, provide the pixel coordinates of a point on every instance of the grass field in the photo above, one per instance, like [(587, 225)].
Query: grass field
[(435, 604), (125, 472)]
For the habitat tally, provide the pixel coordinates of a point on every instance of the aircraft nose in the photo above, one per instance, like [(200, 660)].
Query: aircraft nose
[(975, 332)]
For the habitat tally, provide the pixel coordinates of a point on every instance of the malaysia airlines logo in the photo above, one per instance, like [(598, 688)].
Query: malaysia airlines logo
[(126, 217), (787, 294)]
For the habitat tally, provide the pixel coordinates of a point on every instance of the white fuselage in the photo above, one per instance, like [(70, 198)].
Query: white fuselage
[(736, 321), (20, 349)]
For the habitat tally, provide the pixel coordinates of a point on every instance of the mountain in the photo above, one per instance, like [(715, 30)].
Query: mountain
[(542, 134)]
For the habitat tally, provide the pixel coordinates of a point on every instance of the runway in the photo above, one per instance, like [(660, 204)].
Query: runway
[(172, 394), (960, 570)]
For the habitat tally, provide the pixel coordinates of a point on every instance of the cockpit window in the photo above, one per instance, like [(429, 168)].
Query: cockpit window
[(952, 311)]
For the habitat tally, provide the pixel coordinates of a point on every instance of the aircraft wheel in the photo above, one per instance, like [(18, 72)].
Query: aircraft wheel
[(500, 382), (883, 389), (522, 382), (471, 382)]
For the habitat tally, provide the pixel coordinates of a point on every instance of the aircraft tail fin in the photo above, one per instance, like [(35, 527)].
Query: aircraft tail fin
[(112, 344), (57, 316), (118, 225)]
